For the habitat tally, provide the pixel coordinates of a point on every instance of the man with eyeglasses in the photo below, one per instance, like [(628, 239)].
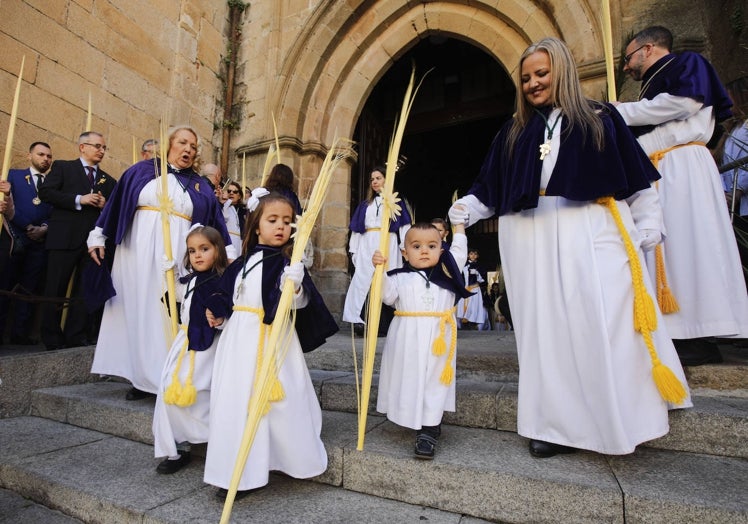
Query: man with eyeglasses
[(680, 102), (77, 190)]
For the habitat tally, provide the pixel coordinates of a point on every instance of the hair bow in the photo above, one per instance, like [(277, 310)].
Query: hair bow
[(254, 199)]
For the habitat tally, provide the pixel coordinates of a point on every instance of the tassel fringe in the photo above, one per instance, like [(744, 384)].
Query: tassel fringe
[(665, 298)]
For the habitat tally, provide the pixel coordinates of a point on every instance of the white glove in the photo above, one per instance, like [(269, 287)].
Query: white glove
[(457, 214), (649, 239), (293, 272), (166, 264)]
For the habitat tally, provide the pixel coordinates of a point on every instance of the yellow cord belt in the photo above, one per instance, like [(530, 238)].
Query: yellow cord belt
[(153, 208), (645, 315), (276, 393), (440, 346), (177, 393), (665, 297)]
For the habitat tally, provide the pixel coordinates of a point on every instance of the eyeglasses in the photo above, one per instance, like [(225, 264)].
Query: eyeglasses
[(232, 191), (97, 146), (629, 56)]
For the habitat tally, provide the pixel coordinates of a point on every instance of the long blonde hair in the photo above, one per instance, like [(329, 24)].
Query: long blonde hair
[(566, 93)]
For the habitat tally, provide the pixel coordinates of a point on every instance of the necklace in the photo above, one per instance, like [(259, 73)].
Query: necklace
[(378, 204), (545, 147), (427, 278), (427, 298), (36, 200)]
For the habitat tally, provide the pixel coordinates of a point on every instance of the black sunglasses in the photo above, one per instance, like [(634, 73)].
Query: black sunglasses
[(232, 191)]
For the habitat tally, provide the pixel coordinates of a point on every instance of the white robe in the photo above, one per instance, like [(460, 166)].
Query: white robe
[(288, 437), (410, 391), (173, 424), (231, 216), (585, 375), (135, 334), (362, 247), (701, 256), (471, 308)]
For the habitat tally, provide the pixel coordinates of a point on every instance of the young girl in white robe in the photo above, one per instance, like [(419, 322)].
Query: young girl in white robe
[(288, 435), (180, 416), (416, 380)]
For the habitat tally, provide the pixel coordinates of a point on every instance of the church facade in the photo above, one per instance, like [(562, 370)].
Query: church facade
[(319, 69)]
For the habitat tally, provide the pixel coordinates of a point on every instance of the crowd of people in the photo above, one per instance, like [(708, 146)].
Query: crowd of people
[(596, 230)]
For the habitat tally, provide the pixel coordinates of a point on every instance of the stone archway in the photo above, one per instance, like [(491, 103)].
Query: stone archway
[(345, 48)]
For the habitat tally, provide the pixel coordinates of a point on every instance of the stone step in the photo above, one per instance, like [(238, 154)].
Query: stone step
[(493, 355), (75, 474), (484, 355), (485, 474), (714, 426)]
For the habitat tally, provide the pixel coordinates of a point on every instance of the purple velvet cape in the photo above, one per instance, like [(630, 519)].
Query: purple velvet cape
[(581, 172), (118, 213), (689, 75), (445, 274), (199, 333), (358, 220), (314, 323)]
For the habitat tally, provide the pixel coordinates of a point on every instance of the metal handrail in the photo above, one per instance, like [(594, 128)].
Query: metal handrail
[(734, 165)]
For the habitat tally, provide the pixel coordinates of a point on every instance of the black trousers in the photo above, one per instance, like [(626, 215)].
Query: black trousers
[(62, 265)]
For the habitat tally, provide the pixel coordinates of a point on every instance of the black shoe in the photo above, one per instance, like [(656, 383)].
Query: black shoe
[(81, 342), (358, 330), (167, 467), (425, 446), (697, 351), (222, 493), (136, 394), (22, 340), (541, 449)]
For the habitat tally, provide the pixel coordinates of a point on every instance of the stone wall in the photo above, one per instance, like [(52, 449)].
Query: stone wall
[(139, 59)]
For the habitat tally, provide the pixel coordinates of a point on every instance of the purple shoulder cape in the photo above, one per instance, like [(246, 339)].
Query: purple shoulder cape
[(358, 220), (581, 172), (199, 333), (445, 274), (687, 74), (314, 323)]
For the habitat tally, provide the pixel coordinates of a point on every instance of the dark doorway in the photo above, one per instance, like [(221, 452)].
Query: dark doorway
[(459, 108)]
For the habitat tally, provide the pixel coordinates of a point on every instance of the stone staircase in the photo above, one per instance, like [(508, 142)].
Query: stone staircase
[(83, 453)]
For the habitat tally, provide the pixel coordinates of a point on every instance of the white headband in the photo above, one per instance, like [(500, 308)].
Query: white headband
[(194, 227)]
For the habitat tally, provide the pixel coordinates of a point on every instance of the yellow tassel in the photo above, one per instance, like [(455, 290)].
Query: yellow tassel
[(665, 298), (668, 385), (448, 374), (277, 393), (174, 391), (188, 395), (440, 347)]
